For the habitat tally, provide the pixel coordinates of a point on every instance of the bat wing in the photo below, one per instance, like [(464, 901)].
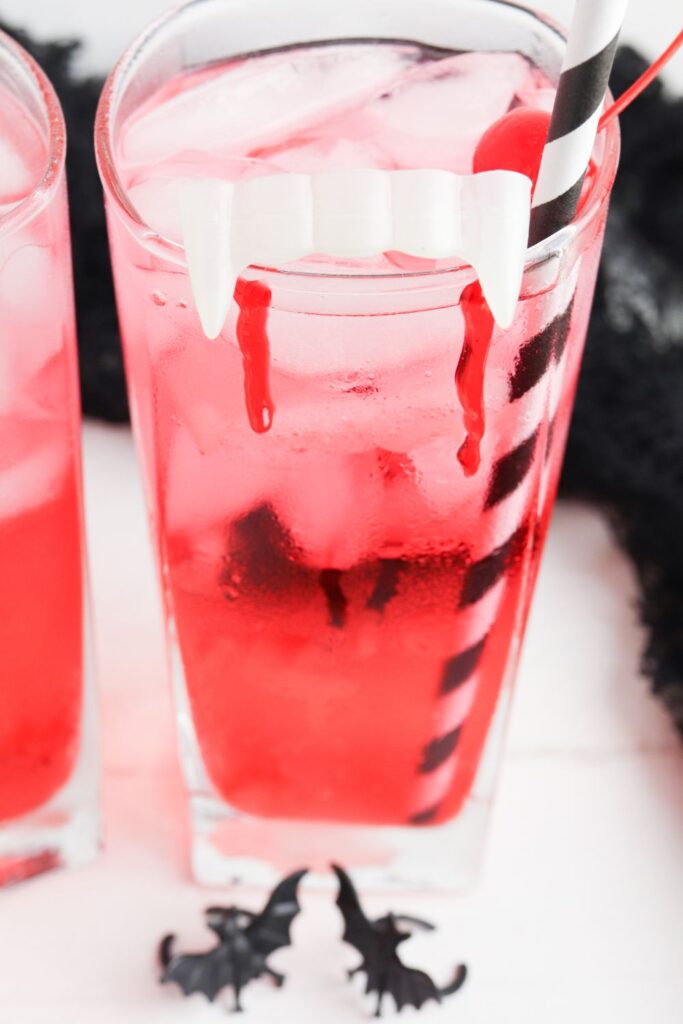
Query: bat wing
[(358, 929), (410, 987), (270, 930), (207, 973)]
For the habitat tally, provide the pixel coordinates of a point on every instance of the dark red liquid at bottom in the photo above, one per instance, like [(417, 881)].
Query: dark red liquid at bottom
[(313, 697)]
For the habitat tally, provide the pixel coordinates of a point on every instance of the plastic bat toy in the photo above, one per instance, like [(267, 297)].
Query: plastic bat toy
[(245, 941), (377, 942)]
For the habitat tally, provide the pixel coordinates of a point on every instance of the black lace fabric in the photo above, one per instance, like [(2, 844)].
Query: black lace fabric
[(625, 450)]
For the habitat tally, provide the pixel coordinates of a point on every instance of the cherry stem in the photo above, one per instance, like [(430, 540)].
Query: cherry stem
[(640, 84)]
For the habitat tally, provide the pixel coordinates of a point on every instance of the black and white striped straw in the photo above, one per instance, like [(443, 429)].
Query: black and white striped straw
[(580, 96)]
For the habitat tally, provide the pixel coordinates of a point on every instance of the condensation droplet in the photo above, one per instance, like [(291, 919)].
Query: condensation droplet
[(158, 298)]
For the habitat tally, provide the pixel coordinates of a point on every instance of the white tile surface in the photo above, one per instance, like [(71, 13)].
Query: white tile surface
[(593, 645), (579, 916)]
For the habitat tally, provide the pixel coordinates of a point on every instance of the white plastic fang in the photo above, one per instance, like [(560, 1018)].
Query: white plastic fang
[(482, 219)]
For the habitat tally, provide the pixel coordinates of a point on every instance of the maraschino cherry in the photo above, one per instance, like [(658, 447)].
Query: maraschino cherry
[(514, 143)]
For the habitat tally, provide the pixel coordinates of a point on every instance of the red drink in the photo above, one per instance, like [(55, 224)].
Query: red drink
[(348, 536), (41, 644), (42, 792)]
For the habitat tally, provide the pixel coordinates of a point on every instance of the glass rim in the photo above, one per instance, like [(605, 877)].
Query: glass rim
[(173, 250), (35, 200)]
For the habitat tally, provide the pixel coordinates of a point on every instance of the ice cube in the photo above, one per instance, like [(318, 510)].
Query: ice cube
[(436, 115), (23, 151), (419, 403), (33, 323), (444, 487), (200, 385), (32, 465), (371, 399), (453, 504), (18, 170), (324, 414), (249, 105), (203, 490), (305, 345), (331, 506), (45, 395), (320, 154), (25, 274), (156, 200), (155, 193), (535, 90)]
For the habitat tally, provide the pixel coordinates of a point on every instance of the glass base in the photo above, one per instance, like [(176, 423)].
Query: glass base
[(47, 840), (65, 832), (230, 847)]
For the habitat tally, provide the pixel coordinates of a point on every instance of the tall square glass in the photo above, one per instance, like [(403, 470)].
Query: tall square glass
[(48, 771), (345, 606)]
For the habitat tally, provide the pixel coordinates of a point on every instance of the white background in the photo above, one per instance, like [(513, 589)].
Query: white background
[(579, 916), (109, 25)]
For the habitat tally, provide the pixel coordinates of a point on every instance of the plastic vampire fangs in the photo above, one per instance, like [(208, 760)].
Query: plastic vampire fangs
[(377, 942), (245, 941), (278, 219)]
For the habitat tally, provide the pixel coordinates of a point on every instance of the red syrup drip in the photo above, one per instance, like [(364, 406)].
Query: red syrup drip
[(469, 376), (253, 299)]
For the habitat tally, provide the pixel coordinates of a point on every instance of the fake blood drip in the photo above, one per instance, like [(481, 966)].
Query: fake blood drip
[(513, 143), (253, 299), (469, 376)]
